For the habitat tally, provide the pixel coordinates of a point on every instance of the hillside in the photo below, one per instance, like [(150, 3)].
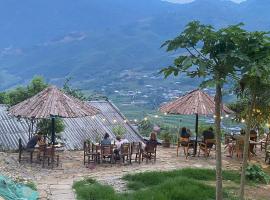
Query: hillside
[(107, 45)]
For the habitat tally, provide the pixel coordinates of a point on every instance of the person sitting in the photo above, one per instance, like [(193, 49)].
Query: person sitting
[(33, 142), (152, 140), (184, 135), (118, 143), (147, 150), (208, 134), (106, 140)]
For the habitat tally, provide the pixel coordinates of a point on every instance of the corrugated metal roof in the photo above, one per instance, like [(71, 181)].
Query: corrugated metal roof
[(76, 129)]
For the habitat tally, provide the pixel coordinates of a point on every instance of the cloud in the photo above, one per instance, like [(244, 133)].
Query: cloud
[(189, 1)]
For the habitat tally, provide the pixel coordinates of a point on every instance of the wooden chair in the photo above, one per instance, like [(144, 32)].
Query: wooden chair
[(267, 155), (136, 150), (239, 148), (265, 142), (106, 152), (207, 146), (23, 151), (150, 152), (125, 152), (49, 155), (185, 143), (90, 153)]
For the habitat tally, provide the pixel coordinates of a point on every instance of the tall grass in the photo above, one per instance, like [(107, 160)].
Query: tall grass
[(185, 184)]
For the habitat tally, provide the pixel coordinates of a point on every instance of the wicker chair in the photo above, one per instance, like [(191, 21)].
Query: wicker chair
[(136, 150), (207, 146)]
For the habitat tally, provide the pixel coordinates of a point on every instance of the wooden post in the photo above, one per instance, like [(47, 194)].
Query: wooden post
[(53, 130), (196, 131)]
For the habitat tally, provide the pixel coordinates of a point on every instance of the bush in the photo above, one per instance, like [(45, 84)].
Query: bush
[(256, 173), (45, 126), (166, 136), (119, 130)]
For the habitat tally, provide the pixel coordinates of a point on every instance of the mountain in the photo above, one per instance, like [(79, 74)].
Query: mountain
[(96, 41)]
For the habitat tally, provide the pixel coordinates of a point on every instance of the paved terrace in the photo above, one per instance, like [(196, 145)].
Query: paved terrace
[(57, 183)]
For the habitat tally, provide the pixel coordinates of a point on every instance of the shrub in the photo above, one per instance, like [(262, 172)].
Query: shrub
[(119, 130), (166, 136), (256, 173)]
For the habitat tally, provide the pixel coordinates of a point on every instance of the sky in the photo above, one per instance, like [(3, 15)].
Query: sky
[(188, 1)]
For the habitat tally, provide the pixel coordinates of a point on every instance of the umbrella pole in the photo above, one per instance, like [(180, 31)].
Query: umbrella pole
[(196, 131), (53, 130)]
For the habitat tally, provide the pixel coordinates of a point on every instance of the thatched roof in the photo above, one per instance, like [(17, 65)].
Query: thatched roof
[(194, 102), (52, 102)]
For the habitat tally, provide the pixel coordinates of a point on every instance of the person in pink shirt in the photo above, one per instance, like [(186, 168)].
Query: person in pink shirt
[(119, 141)]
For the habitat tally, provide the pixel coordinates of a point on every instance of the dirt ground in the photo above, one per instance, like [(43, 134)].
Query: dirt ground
[(57, 183)]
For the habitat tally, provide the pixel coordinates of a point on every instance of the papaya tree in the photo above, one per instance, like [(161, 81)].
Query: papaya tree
[(254, 87), (213, 55)]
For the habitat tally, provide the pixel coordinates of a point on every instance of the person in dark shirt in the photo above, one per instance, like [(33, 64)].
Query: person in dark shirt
[(184, 133), (208, 134), (106, 140), (33, 142), (184, 137)]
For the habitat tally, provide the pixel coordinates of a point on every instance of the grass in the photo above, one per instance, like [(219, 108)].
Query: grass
[(31, 185), (184, 184)]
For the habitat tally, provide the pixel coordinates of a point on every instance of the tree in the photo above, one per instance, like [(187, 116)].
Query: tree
[(77, 93), (45, 126), (119, 130), (254, 87), (213, 55), (22, 93)]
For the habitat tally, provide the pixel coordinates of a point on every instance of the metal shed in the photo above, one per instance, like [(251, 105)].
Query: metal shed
[(76, 129)]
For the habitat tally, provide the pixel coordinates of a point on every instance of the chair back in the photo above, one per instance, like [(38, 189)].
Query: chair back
[(125, 149), (42, 148), (135, 147), (106, 150), (183, 139), (20, 145), (87, 147), (210, 141), (239, 145), (267, 138), (48, 151), (150, 148)]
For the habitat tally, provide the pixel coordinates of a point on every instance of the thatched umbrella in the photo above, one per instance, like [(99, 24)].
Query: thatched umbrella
[(196, 103), (51, 103)]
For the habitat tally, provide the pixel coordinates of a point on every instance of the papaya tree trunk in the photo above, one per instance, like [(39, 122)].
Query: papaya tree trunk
[(218, 100), (246, 149)]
